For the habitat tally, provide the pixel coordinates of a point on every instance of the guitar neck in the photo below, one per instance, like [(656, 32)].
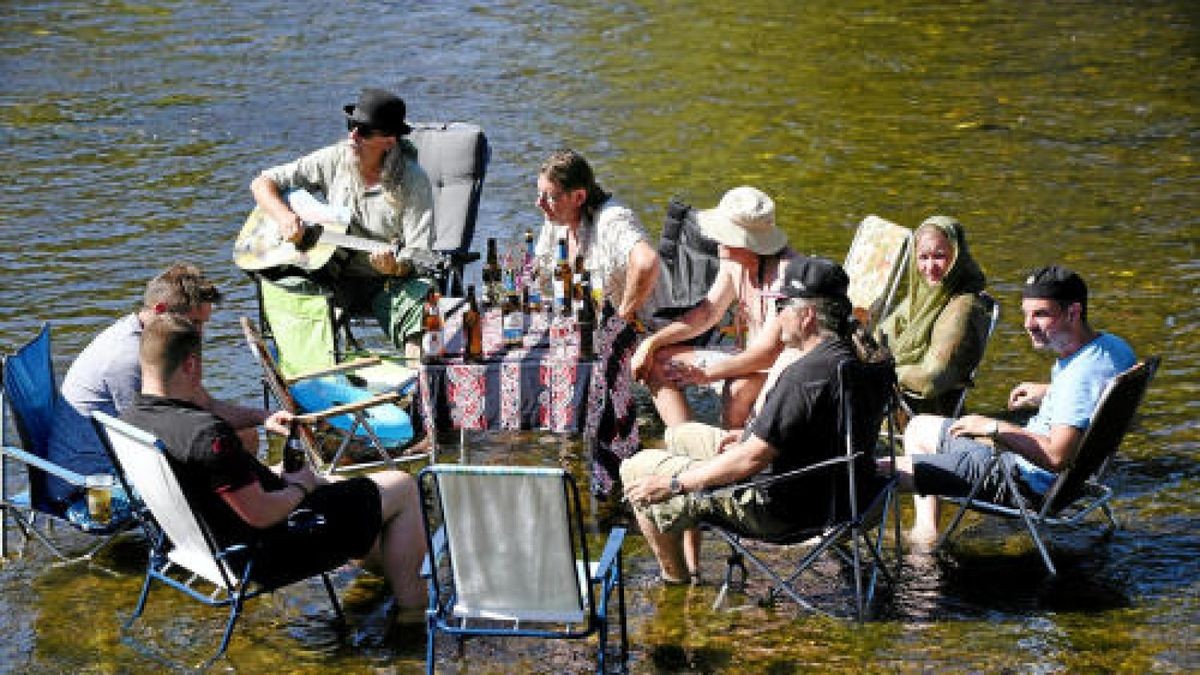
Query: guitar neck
[(352, 242)]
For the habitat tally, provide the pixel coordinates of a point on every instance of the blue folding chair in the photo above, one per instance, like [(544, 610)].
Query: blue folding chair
[(509, 556), (30, 394)]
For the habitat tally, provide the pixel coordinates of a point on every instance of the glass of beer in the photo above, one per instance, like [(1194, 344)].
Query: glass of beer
[(99, 497)]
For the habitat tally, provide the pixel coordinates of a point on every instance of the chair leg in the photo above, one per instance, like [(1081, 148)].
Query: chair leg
[(735, 561), (621, 606), (1113, 523), (962, 508), (333, 599), (141, 602)]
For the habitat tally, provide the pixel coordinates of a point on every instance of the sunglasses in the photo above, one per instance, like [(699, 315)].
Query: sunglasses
[(364, 130), (784, 303)]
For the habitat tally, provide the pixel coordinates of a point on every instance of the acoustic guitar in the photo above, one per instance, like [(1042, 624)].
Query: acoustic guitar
[(259, 245)]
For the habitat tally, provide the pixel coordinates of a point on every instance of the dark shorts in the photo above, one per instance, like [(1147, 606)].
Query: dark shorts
[(959, 462), (353, 519)]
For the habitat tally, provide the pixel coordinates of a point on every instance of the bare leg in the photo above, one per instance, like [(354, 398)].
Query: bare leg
[(920, 437), (692, 539), (667, 548), (401, 546), (739, 400), (669, 398)]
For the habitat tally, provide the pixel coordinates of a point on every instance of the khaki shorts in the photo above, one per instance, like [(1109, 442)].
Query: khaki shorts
[(744, 509)]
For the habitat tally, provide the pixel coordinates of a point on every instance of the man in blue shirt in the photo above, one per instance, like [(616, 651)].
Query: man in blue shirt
[(944, 456)]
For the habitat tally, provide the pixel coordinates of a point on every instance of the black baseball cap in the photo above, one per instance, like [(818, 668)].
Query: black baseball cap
[(1055, 282)]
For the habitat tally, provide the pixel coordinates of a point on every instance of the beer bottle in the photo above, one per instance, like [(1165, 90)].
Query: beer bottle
[(432, 344), (512, 321), (530, 280), (472, 326), (564, 286), (586, 318), (491, 276), (293, 450)]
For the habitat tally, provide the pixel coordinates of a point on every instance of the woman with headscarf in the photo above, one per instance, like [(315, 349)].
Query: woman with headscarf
[(937, 333)]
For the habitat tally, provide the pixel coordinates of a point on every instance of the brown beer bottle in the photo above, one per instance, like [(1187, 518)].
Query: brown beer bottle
[(472, 326), (564, 282), (432, 344)]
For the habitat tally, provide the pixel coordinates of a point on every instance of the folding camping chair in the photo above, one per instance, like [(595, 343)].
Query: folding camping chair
[(349, 407), (30, 393), (853, 533), (1079, 489), (509, 556), (179, 537), (875, 264)]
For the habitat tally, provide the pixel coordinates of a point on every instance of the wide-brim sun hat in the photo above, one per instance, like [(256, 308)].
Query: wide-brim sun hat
[(379, 109), (745, 218)]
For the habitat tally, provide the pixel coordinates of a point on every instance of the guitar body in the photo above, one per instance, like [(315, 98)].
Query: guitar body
[(259, 247)]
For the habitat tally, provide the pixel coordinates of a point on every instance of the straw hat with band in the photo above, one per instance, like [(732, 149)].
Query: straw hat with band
[(745, 218)]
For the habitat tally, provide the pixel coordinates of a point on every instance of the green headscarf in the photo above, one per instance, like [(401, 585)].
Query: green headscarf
[(925, 301)]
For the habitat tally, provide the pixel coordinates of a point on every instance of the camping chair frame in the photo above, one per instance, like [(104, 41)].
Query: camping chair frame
[(360, 427), (858, 540), (29, 373), (1078, 490), (178, 537), (439, 569)]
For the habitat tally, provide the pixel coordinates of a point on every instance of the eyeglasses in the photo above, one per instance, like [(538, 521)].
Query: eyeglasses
[(786, 302), (364, 130), (549, 197)]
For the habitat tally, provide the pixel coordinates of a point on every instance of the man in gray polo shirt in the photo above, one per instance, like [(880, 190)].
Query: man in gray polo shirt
[(106, 376)]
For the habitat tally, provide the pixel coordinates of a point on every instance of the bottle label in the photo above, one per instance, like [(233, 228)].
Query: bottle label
[(431, 344), (513, 329)]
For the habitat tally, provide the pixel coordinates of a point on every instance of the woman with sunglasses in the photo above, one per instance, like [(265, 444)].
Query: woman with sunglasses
[(374, 173)]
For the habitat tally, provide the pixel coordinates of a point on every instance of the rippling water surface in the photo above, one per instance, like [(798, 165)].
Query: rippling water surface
[(1064, 131)]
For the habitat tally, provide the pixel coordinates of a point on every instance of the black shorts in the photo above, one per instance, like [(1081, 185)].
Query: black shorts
[(353, 518)]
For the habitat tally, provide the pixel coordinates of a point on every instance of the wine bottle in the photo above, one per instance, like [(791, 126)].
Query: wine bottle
[(491, 276), (472, 326), (586, 318), (564, 282)]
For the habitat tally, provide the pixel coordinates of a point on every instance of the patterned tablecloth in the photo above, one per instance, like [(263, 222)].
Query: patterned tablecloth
[(539, 386)]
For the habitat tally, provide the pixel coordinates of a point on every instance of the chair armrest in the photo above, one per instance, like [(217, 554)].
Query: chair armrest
[(794, 473), (612, 549), (76, 479), (439, 547), (378, 399), (356, 364)]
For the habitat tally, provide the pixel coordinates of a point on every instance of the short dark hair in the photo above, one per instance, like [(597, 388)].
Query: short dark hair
[(181, 288), (167, 340)]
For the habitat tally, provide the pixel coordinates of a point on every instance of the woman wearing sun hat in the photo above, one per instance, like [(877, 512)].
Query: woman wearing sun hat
[(374, 173), (752, 251)]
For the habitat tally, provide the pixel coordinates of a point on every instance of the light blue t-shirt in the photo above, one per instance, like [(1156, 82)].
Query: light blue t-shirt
[(105, 376), (1076, 383)]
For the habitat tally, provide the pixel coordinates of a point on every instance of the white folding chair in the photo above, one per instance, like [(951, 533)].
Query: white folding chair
[(509, 556), (178, 536)]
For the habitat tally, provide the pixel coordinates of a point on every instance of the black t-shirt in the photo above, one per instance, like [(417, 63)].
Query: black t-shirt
[(208, 460), (799, 419)]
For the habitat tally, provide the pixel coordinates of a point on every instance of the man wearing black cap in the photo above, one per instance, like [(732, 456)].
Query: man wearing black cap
[(794, 425), (944, 457), (373, 173)]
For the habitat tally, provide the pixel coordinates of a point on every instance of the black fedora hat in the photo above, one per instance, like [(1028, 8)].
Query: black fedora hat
[(379, 109)]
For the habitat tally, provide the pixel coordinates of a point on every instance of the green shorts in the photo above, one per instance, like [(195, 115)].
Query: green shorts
[(744, 509), (397, 307)]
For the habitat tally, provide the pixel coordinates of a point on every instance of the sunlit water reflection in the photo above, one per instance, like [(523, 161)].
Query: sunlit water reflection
[(1055, 131)]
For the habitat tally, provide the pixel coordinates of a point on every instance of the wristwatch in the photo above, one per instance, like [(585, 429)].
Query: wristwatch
[(676, 486)]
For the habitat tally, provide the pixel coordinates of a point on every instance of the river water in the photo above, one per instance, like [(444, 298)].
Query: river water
[(1057, 132)]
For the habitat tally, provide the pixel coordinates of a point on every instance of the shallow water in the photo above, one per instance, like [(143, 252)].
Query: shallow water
[(1062, 132)]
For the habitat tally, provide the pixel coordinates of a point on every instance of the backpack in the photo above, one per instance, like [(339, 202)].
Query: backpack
[(689, 258)]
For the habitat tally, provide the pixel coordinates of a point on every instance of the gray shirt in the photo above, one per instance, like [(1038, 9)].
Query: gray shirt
[(404, 215), (105, 376)]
